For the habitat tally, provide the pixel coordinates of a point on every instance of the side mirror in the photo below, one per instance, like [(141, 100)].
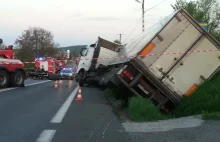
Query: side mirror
[(92, 45), (1, 41)]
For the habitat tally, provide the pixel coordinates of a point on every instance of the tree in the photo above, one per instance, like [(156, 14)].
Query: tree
[(117, 41), (203, 11), (35, 42)]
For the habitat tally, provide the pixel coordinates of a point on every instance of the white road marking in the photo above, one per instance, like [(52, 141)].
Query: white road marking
[(103, 134), (101, 118), (7, 89), (37, 83), (46, 136), (62, 111)]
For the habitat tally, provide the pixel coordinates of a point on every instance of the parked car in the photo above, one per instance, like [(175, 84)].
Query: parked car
[(67, 73)]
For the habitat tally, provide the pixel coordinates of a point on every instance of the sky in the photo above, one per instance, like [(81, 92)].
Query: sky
[(80, 22)]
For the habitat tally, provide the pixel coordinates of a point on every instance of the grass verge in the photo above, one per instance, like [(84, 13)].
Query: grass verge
[(205, 99), (211, 116), (118, 97), (141, 109)]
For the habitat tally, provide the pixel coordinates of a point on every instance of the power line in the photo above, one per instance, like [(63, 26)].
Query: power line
[(132, 30), (153, 25), (140, 19), (154, 6)]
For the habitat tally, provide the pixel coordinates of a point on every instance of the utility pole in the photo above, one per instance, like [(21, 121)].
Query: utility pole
[(143, 27), (120, 37), (142, 3)]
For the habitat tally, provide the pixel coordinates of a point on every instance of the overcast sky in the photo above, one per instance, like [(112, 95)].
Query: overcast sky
[(76, 22)]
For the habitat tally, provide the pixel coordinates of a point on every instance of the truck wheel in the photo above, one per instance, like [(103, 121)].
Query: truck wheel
[(4, 79), (80, 78), (81, 83), (18, 79)]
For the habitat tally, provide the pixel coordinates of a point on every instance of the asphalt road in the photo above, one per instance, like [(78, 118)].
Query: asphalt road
[(40, 112)]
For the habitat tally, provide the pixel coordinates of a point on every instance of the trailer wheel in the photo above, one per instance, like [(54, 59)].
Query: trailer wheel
[(4, 79), (18, 79)]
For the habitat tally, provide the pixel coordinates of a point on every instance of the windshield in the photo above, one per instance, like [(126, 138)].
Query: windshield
[(66, 71)]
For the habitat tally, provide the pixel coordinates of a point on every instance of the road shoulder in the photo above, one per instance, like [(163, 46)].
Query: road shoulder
[(91, 120)]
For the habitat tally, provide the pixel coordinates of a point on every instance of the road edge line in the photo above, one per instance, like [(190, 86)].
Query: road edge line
[(37, 83), (46, 136), (58, 117), (8, 89)]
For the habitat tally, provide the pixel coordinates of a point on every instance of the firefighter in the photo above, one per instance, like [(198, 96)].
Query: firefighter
[(42, 69)]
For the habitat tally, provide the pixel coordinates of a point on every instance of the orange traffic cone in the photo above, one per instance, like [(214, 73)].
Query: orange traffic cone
[(79, 95), (55, 84)]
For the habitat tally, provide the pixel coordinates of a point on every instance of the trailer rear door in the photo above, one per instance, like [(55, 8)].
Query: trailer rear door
[(179, 38), (187, 73)]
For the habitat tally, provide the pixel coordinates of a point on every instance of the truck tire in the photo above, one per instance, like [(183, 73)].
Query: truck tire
[(81, 78), (17, 79), (81, 83), (4, 79), (77, 80)]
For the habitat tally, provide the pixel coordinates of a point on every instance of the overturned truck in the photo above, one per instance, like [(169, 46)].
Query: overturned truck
[(176, 56), (166, 62)]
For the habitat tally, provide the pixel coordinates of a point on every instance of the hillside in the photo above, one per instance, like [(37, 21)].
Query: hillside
[(74, 50)]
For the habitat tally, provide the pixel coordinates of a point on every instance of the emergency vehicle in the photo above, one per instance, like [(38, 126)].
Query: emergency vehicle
[(45, 66), (12, 72)]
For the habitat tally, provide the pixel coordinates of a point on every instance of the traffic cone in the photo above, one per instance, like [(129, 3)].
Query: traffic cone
[(79, 95), (55, 84)]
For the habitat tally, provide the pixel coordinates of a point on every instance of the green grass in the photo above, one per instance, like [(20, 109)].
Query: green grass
[(111, 96), (211, 116), (205, 99), (141, 109), (118, 96)]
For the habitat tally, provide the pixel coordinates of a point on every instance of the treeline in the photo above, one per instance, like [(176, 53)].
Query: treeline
[(205, 11), (36, 41)]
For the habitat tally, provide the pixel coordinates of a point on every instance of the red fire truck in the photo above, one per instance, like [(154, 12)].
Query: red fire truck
[(45, 66), (12, 71)]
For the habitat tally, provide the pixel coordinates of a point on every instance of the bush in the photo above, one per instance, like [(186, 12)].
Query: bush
[(141, 109), (205, 99), (212, 115)]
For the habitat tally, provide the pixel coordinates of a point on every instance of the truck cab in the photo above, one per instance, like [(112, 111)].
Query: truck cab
[(84, 61), (96, 60)]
